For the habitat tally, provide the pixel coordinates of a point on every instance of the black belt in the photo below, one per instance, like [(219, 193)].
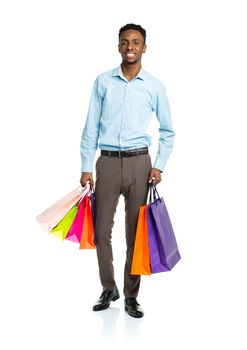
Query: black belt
[(128, 153)]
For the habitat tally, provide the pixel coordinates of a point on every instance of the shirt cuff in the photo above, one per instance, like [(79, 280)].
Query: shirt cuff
[(159, 164), (87, 166)]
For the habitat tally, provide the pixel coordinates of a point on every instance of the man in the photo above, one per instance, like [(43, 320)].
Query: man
[(120, 110)]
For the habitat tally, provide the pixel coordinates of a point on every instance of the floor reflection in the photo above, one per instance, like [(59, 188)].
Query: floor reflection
[(118, 325), (132, 332), (109, 319)]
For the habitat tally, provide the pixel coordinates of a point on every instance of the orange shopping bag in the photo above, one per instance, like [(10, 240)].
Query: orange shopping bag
[(141, 256), (87, 237)]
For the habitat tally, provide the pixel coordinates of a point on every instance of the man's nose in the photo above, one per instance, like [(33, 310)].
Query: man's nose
[(129, 46)]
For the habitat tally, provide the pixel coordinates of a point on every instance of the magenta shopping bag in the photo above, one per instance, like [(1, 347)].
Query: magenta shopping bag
[(164, 253), (92, 199), (76, 228)]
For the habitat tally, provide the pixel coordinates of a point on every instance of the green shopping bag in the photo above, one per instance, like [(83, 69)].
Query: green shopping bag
[(62, 228)]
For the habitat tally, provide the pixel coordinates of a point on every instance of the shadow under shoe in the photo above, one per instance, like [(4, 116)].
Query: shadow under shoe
[(105, 299)]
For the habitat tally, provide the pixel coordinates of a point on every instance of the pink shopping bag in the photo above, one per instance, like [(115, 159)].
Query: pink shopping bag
[(49, 218), (76, 228), (87, 237)]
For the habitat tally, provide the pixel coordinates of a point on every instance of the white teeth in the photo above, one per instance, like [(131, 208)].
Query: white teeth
[(130, 54)]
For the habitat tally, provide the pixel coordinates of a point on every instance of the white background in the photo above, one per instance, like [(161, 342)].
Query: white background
[(51, 52)]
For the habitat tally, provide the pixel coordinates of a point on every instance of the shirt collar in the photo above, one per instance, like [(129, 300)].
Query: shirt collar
[(117, 72)]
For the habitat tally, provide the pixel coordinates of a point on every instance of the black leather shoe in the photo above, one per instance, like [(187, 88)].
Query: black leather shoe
[(133, 308), (105, 299)]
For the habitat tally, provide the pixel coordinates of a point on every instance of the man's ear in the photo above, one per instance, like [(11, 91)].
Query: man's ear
[(118, 48), (144, 48)]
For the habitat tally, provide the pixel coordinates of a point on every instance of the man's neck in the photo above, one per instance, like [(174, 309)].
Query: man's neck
[(130, 71)]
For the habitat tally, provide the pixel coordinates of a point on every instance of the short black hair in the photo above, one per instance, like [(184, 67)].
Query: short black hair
[(135, 27)]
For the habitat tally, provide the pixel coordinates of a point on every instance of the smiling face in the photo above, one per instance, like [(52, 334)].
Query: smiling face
[(131, 46)]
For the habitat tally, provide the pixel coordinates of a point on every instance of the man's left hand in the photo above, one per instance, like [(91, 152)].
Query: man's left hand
[(154, 176)]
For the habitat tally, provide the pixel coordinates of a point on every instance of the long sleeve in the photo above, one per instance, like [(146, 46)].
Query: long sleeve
[(90, 134), (166, 131)]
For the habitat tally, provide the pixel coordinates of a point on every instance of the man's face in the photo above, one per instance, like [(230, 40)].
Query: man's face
[(131, 46)]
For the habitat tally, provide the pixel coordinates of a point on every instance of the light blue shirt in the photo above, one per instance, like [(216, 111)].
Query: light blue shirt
[(120, 112)]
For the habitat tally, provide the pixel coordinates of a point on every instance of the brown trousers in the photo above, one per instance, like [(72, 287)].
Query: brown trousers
[(114, 176)]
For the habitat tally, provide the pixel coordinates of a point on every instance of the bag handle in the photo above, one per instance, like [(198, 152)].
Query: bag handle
[(153, 193), (87, 191)]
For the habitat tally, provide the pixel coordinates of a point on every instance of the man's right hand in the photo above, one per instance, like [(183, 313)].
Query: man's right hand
[(85, 178)]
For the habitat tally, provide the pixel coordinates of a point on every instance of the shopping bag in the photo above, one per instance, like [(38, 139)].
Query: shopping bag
[(75, 231), (164, 253), (62, 228), (54, 214), (141, 258), (87, 237), (92, 200)]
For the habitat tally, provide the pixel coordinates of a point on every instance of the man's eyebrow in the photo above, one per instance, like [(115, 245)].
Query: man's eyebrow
[(135, 39)]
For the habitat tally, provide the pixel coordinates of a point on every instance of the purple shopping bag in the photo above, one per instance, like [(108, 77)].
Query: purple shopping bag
[(164, 253)]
